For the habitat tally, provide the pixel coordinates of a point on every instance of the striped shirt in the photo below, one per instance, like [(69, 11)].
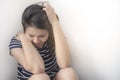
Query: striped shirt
[(48, 55)]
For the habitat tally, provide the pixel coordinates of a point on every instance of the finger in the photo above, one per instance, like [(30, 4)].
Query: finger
[(44, 9), (46, 4)]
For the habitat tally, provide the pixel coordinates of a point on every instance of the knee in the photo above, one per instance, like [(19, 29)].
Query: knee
[(39, 77), (67, 74)]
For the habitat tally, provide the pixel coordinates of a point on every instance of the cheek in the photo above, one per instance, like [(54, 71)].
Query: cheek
[(44, 39)]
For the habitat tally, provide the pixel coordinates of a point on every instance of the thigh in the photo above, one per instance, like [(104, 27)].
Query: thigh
[(39, 77), (66, 74)]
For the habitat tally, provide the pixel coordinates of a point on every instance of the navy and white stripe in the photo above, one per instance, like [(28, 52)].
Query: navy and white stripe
[(51, 66)]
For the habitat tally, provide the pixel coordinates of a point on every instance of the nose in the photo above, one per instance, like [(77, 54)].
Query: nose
[(35, 40)]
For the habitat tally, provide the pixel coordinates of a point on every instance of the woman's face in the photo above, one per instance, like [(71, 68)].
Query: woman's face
[(37, 36)]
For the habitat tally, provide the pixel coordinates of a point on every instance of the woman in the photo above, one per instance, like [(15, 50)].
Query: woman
[(41, 50)]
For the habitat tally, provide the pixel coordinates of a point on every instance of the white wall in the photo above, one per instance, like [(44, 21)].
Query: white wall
[(92, 29)]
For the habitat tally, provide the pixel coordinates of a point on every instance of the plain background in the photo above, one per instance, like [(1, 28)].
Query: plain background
[(92, 28)]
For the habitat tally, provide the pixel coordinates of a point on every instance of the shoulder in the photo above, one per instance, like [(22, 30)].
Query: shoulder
[(14, 43)]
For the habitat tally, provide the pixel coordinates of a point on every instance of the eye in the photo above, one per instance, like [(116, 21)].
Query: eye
[(41, 36), (31, 36)]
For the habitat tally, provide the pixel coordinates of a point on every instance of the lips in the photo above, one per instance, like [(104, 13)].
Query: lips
[(36, 45)]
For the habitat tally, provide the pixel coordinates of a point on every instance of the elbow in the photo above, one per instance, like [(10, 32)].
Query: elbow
[(27, 67), (38, 69), (62, 66), (35, 69)]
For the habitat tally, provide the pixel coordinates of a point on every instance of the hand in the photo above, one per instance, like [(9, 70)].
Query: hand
[(19, 35), (50, 12)]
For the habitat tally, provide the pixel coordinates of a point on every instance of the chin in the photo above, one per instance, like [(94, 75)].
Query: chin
[(38, 46)]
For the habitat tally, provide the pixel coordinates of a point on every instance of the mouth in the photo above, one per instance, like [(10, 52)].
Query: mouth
[(37, 45)]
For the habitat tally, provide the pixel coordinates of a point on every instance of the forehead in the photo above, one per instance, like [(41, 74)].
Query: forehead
[(35, 31)]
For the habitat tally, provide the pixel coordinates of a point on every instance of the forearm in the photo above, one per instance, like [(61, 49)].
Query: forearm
[(61, 46), (32, 56)]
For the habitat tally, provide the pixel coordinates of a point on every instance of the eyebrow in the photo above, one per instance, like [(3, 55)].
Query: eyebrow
[(37, 35)]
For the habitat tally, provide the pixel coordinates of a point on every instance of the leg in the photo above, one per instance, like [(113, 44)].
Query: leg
[(39, 77), (66, 74)]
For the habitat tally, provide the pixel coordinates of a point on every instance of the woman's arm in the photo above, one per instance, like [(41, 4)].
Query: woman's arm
[(61, 47), (28, 56), (33, 58)]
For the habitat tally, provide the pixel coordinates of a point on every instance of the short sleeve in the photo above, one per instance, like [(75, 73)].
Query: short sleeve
[(14, 43)]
